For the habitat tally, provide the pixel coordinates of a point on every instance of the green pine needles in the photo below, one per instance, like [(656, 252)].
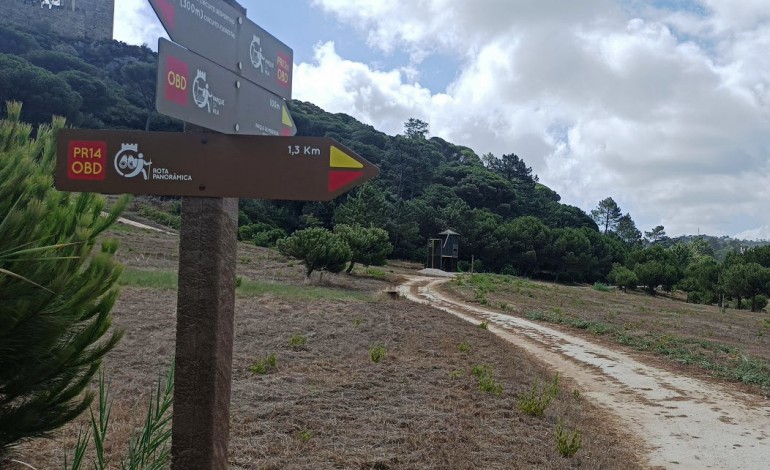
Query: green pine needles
[(56, 291), (150, 445), (317, 248)]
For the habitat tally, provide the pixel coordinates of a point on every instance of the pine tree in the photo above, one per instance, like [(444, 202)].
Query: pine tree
[(368, 245), (56, 291), (318, 249), (627, 231), (607, 215)]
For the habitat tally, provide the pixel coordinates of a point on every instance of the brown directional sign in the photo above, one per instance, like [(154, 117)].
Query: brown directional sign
[(199, 91), (207, 165), (222, 34)]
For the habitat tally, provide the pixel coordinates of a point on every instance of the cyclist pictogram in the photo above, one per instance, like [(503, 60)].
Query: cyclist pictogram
[(129, 162)]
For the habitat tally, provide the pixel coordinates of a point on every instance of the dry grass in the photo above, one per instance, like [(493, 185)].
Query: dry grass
[(689, 334), (327, 405)]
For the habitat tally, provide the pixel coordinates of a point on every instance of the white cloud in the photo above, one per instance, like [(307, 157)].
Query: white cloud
[(136, 23), (730, 15), (761, 233), (666, 111), (376, 97), (664, 107)]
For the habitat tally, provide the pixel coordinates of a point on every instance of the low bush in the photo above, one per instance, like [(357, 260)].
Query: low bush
[(377, 353), (486, 381), (298, 341), (567, 443), (598, 286), (539, 397), (265, 365)]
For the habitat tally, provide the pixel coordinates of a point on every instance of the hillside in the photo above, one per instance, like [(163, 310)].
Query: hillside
[(508, 221)]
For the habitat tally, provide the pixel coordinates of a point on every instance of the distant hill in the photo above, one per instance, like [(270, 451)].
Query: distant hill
[(721, 245)]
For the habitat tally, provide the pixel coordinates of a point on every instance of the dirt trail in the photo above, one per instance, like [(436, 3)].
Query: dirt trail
[(687, 423)]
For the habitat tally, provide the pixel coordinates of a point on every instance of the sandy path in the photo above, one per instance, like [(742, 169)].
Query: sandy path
[(687, 423), (132, 223)]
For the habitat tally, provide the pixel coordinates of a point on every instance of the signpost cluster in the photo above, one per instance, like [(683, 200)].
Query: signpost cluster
[(222, 73)]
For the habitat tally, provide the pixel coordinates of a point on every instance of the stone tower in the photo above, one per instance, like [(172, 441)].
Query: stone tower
[(90, 19)]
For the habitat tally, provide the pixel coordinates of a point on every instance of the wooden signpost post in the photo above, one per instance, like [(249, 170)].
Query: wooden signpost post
[(231, 76)]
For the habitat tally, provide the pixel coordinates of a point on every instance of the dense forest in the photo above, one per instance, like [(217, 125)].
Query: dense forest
[(508, 221)]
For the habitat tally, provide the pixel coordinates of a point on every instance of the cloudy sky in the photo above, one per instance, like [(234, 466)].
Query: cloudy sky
[(664, 105)]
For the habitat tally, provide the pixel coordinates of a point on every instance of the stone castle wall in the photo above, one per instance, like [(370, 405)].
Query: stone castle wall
[(90, 19)]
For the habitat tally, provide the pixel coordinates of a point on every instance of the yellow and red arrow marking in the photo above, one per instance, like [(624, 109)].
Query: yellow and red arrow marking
[(340, 178)]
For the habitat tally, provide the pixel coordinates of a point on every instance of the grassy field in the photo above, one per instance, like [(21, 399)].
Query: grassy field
[(734, 345), (334, 374)]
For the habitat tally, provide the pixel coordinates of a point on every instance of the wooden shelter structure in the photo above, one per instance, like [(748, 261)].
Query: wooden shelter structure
[(443, 252)]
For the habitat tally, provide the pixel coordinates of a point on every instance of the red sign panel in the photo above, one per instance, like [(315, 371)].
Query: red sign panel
[(283, 74), (86, 160), (177, 80), (166, 13)]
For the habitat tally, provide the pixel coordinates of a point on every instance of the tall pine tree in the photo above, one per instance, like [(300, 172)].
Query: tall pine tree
[(607, 215)]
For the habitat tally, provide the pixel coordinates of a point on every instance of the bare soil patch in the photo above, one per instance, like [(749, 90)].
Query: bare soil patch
[(327, 405)]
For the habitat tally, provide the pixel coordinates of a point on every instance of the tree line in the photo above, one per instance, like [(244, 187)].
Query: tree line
[(690, 264), (508, 220)]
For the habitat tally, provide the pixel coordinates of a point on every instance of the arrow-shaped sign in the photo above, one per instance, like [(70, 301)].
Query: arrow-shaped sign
[(201, 92), (222, 34), (207, 165)]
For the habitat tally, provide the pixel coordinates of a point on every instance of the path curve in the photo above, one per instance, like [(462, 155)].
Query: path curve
[(688, 423)]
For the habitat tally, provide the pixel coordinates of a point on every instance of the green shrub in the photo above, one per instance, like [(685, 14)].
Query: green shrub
[(480, 296), (623, 277), (317, 248), (464, 347), (489, 385), (509, 270), (598, 286), (481, 370), (369, 246), (377, 353), (298, 341), (761, 302), (539, 397), (265, 365), (567, 443), (260, 233), (375, 273), (483, 325), (486, 381), (268, 238)]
